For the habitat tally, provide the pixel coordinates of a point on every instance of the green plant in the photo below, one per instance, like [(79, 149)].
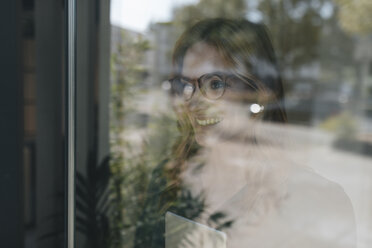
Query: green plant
[(92, 202), (343, 125)]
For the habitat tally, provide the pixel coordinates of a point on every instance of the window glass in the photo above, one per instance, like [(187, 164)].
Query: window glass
[(230, 124)]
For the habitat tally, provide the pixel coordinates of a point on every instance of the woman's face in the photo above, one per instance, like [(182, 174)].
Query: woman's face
[(230, 112)]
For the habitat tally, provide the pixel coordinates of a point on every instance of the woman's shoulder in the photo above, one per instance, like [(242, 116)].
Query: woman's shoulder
[(319, 207), (306, 184)]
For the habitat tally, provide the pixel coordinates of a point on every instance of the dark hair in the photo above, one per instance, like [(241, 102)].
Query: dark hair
[(244, 44)]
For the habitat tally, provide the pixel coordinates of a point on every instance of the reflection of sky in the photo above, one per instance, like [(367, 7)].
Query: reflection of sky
[(138, 14)]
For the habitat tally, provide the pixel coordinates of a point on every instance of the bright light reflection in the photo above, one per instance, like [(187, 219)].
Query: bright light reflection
[(255, 108), (166, 85), (137, 15)]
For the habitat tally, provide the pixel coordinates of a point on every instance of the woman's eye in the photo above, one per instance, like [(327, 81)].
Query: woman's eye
[(215, 85)]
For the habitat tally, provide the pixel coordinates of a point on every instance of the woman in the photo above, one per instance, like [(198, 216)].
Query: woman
[(228, 97), (239, 55)]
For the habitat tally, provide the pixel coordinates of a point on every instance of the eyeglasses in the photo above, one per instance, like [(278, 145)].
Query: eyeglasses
[(212, 85)]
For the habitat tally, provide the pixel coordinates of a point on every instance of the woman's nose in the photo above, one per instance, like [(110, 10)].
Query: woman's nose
[(198, 101)]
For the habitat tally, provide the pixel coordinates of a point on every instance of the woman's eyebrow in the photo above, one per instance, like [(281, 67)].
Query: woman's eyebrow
[(218, 73), (183, 77), (179, 76)]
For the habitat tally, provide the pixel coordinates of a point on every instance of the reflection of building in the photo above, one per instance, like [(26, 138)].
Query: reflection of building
[(363, 59), (312, 99), (32, 124), (126, 42), (300, 97), (162, 37), (33, 111), (29, 112), (157, 62), (117, 37)]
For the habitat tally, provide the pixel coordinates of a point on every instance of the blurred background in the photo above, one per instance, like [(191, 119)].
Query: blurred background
[(125, 124), (324, 53)]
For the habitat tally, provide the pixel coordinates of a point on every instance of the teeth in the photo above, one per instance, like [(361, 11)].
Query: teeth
[(210, 121)]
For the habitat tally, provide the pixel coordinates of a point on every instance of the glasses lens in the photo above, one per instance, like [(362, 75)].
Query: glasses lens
[(188, 91), (181, 87), (212, 86)]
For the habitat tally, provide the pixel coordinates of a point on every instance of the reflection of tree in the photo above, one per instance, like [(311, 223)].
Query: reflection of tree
[(301, 30), (355, 15), (145, 179), (126, 73), (295, 25), (188, 15), (165, 193), (92, 202)]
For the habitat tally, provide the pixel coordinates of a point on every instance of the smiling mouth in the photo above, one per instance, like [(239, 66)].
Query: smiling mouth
[(209, 121)]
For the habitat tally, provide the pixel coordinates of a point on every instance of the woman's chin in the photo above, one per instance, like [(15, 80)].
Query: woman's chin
[(200, 138), (206, 128), (206, 135)]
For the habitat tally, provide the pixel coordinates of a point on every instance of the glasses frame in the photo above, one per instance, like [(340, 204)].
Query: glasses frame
[(252, 82), (200, 84)]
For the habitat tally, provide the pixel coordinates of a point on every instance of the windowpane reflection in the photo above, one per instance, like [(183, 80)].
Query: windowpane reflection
[(232, 124)]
